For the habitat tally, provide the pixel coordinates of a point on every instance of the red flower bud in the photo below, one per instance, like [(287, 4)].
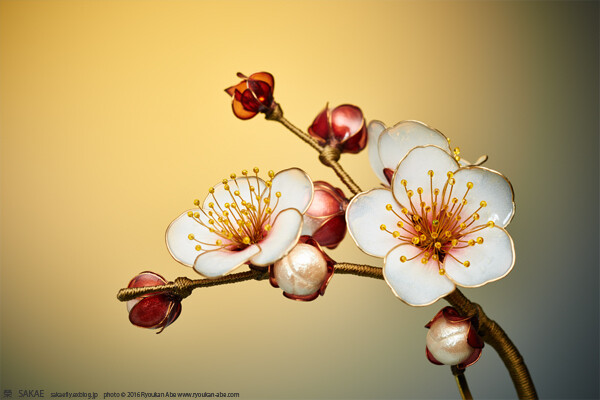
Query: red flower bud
[(325, 218), (304, 272), (343, 127), (252, 95), (155, 310), (453, 339)]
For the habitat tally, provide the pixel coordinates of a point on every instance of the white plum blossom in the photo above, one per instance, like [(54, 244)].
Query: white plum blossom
[(242, 220), (439, 225), (389, 145)]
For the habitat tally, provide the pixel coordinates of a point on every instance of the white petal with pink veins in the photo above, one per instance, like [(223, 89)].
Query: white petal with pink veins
[(412, 281), (281, 238), (296, 190), (398, 140), (414, 169), (491, 187), (489, 261), (365, 215), (180, 246), (216, 263), (375, 128)]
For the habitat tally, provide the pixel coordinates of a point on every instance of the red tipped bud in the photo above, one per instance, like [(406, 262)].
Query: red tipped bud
[(303, 274), (155, 310), (325, 218), (343, 127), (452, 339)]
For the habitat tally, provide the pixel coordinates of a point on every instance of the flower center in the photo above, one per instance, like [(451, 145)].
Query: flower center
[(437, 226), (242, 220)]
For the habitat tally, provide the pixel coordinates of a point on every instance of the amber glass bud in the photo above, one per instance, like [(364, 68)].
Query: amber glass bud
[(253, 95)]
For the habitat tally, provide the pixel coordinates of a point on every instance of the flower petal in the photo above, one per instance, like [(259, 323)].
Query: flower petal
[(151, 311), (215, 263), (489, 261), (264, 77), (180, 246), (414, 169), (281, 238), (415, 283), (331, 232), (375, 128), (238, 108), (399, 139), (491, 187), (242, 184), (319, 129), (365, 215), (296, 190)]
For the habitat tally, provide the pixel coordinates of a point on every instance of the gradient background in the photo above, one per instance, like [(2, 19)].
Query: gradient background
[(113, 119)]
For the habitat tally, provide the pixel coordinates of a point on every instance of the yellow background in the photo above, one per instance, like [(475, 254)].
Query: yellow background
[(113, 119)]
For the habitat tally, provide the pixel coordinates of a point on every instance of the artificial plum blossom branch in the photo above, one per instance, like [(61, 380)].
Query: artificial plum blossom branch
[(328, 155), (489, 330), (461, 382)]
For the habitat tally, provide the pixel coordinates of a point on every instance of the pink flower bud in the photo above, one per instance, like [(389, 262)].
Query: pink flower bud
[(155, 310), (252, 95), (343, 127), (452, 339), (303, 274), (325, 218)]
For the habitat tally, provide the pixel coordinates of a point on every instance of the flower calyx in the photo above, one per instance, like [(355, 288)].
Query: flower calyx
[(452, 339)]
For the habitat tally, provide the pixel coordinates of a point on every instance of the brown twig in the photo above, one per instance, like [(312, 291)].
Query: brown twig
[(461, 382), (328, 155), (489, 330)]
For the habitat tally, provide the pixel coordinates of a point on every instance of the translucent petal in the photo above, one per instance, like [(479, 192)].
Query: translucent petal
[(398, 140), (242, 184), (152, 311), (219, 262), (282, 237), (332, 232), (415, 283), (264, 77), (178, 243), (489, 186), (320, 127), (414, 169), (296, 190), (375, 128), (348, 128), (365, 215), (489, 261)]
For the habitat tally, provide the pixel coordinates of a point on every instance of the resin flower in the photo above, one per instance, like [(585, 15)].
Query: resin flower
[(325, 219), (252, 95), (452, 339), (389, 145), (242, 220), (343, 127), (303, 274), (439, 225), (155, 310)]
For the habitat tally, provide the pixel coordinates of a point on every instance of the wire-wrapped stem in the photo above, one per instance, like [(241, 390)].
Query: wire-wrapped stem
[(461, 382), (493, 334), (489, 330), (328, 155), (182, 286)]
